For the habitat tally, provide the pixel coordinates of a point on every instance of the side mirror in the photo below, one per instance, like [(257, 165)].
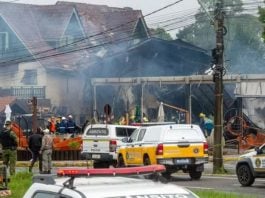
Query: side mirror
[(258, 150), (125, 140)]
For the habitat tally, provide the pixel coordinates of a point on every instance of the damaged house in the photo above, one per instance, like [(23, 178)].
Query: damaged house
[(45, 48), (54, 51)]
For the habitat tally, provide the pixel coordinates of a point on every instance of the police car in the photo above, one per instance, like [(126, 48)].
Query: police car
[(107, 183), (251, 165)]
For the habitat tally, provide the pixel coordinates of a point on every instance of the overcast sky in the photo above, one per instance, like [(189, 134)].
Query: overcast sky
[(145, 5), (179, 10)]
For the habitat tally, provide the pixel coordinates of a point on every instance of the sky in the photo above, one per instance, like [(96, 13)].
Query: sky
[(145, 5), (183, 8)]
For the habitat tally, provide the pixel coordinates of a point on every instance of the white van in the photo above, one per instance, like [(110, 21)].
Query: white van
[(100, 142)]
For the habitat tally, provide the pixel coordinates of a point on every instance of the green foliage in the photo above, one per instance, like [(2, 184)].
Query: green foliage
[(19, 183), (216, 194), (242, 43), (232, 6), (137, 114), (262, 20), (160, 33)]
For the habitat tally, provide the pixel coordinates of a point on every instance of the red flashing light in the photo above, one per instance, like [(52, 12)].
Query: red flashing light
[(159, 149), (73, 172)]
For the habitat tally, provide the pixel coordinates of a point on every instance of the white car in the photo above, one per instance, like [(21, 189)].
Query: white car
[(251, 166), (107, 183), (100, 142)]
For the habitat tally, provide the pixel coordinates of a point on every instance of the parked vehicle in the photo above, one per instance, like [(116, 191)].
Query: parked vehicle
[(107, 183), (177, 146), (251, 165), (100, 142)]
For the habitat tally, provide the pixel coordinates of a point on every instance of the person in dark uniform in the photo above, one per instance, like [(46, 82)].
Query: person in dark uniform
[(34, 143), (9, 141)]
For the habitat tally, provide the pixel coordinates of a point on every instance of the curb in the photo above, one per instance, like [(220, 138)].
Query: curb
[(232, 158)]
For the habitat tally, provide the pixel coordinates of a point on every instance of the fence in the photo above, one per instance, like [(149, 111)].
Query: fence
[(24, 155)]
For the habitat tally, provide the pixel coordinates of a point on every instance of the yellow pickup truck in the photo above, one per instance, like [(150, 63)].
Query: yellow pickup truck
[(177, 146)]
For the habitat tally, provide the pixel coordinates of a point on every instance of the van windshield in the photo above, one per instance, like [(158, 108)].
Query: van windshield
[(97, 131)]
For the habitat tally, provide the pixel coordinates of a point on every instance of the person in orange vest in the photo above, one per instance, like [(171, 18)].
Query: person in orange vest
[(52, 125)]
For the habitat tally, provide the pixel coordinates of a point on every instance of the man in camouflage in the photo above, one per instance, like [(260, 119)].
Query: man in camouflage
[(46, 151), (9, 141)]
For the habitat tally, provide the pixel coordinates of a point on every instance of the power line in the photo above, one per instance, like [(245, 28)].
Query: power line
[(100, 33)]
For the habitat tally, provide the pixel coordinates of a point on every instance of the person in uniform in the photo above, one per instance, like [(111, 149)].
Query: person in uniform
[(9, 141), (46, 152)]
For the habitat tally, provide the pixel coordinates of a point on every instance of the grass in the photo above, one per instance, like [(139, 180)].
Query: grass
[(217, 194), (19, 184)]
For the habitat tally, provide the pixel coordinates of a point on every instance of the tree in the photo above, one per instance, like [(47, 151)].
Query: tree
[(160, 33), (243, 46), (262, 20)]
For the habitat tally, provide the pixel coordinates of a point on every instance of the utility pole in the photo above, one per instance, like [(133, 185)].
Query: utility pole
[(218, 80), (34, 114)]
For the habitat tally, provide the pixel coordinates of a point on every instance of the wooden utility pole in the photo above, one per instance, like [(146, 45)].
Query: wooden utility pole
[(34, 114), (218, 79)]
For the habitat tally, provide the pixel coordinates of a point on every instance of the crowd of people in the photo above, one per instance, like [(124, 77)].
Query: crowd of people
[(63, 125), (40, 143)]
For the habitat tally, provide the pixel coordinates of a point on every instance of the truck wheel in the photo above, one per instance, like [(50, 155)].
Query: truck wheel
[(195, 175), (146, 161), (120, 162), (101, 165), (244, 175), (166, 175)]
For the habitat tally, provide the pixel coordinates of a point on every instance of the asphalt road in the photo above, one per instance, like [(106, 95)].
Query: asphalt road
[(226, 183)]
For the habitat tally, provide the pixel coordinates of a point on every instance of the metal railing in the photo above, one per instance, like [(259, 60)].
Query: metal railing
[(25, 92)]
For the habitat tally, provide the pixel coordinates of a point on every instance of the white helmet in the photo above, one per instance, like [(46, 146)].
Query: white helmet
[(46, 131)]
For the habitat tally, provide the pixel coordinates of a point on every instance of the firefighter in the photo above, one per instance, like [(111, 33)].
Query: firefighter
[(63, 126), (145, 119), (71, 126), (52, 125)]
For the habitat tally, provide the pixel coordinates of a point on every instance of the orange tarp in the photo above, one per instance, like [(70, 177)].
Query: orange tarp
[(59, 143)]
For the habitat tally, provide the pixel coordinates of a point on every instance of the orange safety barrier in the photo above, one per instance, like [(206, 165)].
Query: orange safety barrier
[(59, 143)]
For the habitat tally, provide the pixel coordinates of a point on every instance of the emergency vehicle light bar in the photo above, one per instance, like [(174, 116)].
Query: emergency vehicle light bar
[(74, 172)]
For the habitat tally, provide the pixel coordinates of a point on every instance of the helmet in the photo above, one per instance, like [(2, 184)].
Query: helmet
[(63, 118), (201, 115), (70, 116), (46, 131)]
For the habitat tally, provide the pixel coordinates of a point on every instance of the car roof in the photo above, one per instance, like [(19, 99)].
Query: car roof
[(110, 125), (123, 186)]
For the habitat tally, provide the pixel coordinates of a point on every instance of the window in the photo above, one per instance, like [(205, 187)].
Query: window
[(134, 135), (66, 40), (141, 135), (43, 194), (4, 41), (30, 77), (124, 132)]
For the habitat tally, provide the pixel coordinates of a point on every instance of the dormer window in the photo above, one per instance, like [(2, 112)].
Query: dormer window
[(30, 77), (4, 41), (66, 40)]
